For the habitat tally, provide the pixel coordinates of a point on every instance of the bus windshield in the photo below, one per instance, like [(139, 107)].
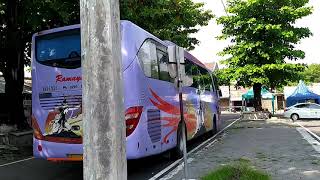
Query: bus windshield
[(62, 49)]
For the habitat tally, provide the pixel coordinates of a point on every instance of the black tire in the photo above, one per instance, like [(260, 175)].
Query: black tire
[(294, 117), (177, 152)]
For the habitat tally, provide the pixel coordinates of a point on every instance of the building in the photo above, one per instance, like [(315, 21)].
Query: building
[(212, 66), (231, 99)]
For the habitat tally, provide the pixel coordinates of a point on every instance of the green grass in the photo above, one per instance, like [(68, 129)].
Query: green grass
[(239, 170)]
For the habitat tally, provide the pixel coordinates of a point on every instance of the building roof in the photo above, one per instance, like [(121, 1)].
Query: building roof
[(212, 66)]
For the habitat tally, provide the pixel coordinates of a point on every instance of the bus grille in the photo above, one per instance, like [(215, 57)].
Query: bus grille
[(154, 125), (49, 102)]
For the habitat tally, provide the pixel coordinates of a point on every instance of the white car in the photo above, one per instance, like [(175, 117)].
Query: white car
[(303, 111)]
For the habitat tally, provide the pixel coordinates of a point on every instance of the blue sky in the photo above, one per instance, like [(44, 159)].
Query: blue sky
[(209, 46)]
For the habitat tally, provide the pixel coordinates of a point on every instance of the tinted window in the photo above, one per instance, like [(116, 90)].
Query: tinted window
[(193, 71), (148, 59), (62, 49), (206, 81), (302, 106), (201, 77), (154, 60), (215, 83), (313, 106)]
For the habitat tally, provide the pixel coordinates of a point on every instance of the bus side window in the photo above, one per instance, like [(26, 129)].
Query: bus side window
[(148, 59), (208, 81), (193, 71), (205, 79), (163, 60), (215, 83)]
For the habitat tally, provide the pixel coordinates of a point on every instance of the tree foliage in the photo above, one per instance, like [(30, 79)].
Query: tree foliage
[(224, 76), (311, 74), (263, 35), (18, 21), (33, 16), (173, 20)]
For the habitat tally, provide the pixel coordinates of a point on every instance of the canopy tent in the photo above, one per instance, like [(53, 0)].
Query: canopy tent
[(265, 94), (302, 94)]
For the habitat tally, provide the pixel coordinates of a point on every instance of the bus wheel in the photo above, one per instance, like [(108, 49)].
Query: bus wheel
[(177, 152)]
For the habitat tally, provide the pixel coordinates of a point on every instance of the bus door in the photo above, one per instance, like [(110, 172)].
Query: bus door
[(169, 95), (193, 101), (161, 114), (203, 101), (200, 110)]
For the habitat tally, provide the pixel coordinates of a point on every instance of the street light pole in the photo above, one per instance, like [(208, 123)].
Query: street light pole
[(103, 122)]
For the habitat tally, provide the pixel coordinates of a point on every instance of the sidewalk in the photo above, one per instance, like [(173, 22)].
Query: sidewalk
[(274, 146), (14, 145)]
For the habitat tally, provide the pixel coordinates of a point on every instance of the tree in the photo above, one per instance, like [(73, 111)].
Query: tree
[(223, 76), (263, 36), (18, 21), (311, 74), (167, 19)]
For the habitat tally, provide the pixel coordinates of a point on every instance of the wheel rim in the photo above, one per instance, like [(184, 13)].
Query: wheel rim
[(295, 117)]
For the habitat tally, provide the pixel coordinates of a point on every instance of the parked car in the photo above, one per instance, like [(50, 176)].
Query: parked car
[(303, 111)]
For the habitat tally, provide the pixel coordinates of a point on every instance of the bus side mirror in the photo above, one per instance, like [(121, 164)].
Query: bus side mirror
[(176, 56), (172, 66), (176, 53), (172, 54)]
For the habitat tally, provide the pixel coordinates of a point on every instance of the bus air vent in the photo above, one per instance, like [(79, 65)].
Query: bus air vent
[(49, 102), (154, 125)]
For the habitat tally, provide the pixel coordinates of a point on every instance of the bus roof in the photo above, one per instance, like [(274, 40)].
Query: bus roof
[(132, 37)]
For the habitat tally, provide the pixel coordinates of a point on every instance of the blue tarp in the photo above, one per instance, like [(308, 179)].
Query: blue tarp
[(302, 94)]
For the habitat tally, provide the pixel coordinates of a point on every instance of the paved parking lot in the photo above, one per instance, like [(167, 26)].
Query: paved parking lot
[(276, 146)]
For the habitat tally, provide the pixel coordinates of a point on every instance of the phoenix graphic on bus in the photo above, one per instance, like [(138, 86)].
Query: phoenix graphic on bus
[(152, 114)]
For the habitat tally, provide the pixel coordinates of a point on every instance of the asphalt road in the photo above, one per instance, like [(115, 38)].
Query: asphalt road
[(139, 169)]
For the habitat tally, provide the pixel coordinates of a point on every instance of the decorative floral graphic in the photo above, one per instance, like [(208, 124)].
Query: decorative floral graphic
[(173, 121)]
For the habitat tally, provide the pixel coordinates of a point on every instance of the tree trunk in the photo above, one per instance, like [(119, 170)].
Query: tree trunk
[(14, 78), (14, 72), (257, 97)]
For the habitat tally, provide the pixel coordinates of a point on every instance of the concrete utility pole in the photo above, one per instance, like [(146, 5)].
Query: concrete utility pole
[(103, 122)]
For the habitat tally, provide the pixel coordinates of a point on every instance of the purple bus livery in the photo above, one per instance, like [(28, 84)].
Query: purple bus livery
[(150, 96)]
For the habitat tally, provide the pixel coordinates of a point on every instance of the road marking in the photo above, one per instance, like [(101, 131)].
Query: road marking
[(214, 141), (15, 162), (309, 136), (314, 143), (174, 164), (313, 134), (176, 170)]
